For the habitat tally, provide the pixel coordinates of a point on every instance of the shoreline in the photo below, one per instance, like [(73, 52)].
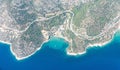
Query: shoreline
[(75, 54), (88, 47), (38, 49), (5, 42), (93, 45), (17, 58), (67, 53)]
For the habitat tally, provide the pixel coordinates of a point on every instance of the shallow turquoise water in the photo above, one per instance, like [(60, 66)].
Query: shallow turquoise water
[(51, 57), (57, 43)]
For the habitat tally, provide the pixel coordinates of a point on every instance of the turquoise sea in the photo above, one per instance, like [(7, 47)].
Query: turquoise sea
[(52, 56)]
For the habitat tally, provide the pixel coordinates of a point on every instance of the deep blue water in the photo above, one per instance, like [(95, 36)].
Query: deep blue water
[(52, 58)]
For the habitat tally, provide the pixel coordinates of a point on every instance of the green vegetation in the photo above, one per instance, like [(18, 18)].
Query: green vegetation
[(93, 30), (33, 34), (80, 13), (56, 21), (103, 13), (19, 11), (70, 34), (100, 11)]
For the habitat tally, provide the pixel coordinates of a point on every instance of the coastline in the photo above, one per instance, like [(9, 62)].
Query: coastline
[(89, 46), (17, 58), (68, 53), (38, 49), (93, 45), (75, 54)]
